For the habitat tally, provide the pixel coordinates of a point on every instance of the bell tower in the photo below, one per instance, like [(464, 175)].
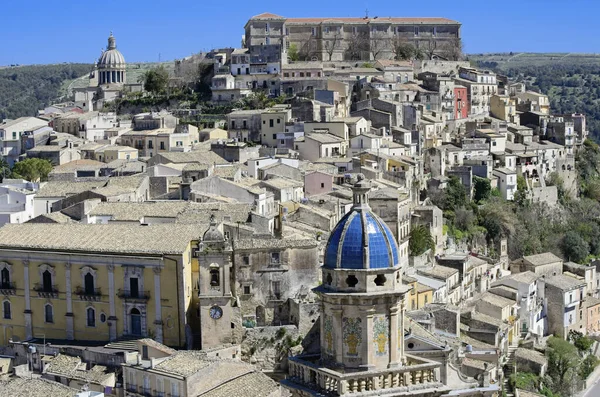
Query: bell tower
[(214, 288), (362, 295)]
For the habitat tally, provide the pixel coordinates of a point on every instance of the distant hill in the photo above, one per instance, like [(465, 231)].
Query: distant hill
[(571, 81), (25, 89)]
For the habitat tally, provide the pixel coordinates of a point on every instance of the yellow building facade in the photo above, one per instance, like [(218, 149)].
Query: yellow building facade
[(97, 282)]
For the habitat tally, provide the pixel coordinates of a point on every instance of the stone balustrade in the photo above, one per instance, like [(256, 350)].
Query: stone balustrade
[(418, 374)]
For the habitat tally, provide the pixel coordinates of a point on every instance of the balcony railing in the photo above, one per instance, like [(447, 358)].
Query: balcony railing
[(8, 288), (133, 295), (331, 382), (89, 295), (46, 291)]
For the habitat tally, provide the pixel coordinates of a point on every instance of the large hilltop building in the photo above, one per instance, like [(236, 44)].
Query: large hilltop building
[(107, 80), (337, 39)]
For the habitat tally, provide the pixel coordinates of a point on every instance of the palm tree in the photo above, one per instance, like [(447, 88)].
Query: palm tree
[(420, 240)]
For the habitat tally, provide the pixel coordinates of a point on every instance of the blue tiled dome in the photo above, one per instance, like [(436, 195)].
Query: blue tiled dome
[(361, 240)]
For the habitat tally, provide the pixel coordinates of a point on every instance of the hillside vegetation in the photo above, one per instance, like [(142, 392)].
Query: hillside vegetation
[(571, 81), (25, 89)]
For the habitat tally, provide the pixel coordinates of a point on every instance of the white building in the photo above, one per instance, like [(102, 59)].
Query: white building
[(507, 182), (16, 201), (10, 135)]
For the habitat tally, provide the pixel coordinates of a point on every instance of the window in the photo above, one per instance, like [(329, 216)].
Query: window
[(175, 389), (274, 136), (274, 257), (278, 121), (266, 27), (287, 31), (89, 284), (134, 288), (246, 290), (14, 135), (246, 259), (160, 386), (426, 299), (380, 280), (314, 31), (91, 317), (351, 281), (102, 317), (416, 30), (214, 277), (49, 313), (326, 29), (322, 185), (47, 281), (5, 278), (6, 310), (276, 289), (162, 146), (150, 145), (286, 74)]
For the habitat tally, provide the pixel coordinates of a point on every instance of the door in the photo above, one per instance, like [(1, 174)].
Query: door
[(134, 287), (136, 322)]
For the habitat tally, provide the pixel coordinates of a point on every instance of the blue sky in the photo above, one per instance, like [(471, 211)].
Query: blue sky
[(37, 32)]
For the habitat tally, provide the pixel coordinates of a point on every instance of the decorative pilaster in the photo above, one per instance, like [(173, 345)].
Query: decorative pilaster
[(28, 324), (336, 313), (394, 337), (69, 314), (369, 328), (401, 334), (158, 323), (112, 318)]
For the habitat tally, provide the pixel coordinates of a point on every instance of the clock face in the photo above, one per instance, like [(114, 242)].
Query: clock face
[(216, 312)]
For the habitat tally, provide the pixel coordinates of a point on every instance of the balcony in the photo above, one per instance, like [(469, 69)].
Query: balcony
[(88, 295), (419, 374), (130, 295), (8, 288), (45, 291)]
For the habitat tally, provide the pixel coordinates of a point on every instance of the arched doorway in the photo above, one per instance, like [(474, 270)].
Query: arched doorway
[(136, 322), (89, 284), (47, 281), (260, 316), (5, 277)]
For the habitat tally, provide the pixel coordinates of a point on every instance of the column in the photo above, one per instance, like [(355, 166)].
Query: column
[(158, 330), (401, 341), (28, 324), (337, 334), (369, 352), (69, 315), (114, 76), (394, 331), (112, 318)]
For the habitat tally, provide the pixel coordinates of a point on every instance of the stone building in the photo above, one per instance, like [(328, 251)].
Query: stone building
[(268, 272), (565, 305), (337, 39), (362, 317)]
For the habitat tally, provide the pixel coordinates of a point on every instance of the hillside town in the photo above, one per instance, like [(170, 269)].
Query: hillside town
[(296, 248)]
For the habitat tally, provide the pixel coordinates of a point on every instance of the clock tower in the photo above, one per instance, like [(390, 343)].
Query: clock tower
[(214, 293)]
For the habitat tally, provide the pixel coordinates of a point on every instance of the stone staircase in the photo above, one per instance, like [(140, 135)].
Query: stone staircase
[(509, 368)]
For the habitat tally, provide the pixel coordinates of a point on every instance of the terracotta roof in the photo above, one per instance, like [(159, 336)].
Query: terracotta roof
[(267, 15), (372, 20)]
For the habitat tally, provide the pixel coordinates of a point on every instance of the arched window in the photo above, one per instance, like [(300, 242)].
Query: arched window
[(91, 317), (47, 281), (49, 313), (5, 278), (6, 310), (214, 277), (89, 284)]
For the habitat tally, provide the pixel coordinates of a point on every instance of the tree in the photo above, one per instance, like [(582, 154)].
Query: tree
[(293, 54), (456, 194), (581, 342), (575, 247), (4, 169), (358, 43), (588, 364), (403, 50), (451, 49), (32, 169), (563, 362), (378, 44), (420, 240), (156, 80), (332, 41), (482, 188)]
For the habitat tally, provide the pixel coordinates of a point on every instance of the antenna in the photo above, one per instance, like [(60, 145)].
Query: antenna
[(366, 13), (159, 57)]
